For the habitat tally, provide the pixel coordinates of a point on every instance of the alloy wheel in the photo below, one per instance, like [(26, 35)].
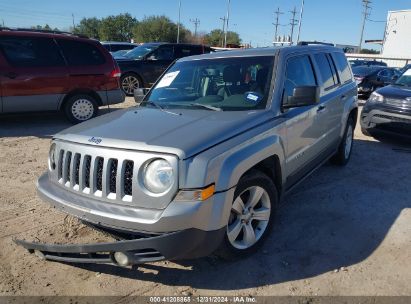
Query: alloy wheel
[(249, 217)]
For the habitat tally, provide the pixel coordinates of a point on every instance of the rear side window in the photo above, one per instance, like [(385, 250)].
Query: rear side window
[(184, 51), (343, 67), (327, 70), (81, 53), (31, 51), (163, 53), (299, 73)]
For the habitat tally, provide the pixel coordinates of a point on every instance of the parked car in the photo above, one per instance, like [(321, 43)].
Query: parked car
[(48, 71), (142, 66), (389, 109), (113, 46), (225, 137), (358, 62), (405, 68), (370, 78)]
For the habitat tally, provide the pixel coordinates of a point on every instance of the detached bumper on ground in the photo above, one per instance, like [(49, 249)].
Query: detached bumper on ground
[(191, 243)]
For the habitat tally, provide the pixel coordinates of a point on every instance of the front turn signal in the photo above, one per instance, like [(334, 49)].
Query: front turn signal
[(195, 194)]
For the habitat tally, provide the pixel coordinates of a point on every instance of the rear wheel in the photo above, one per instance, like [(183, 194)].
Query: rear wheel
[(343, 154), (80, 108), (251, 217), (130, 82)]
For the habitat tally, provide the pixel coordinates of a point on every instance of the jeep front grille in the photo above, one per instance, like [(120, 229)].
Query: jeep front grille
[(103, 177)]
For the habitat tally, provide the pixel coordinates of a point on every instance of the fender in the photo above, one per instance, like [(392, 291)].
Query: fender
[(238, 163)]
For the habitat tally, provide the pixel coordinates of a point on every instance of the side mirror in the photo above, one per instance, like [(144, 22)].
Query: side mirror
[(139, 94), (303, 96), (395, 78)]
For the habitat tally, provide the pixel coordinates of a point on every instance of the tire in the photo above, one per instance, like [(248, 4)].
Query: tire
[(129, 82), (80, 108), (343, 154), (245, 234)]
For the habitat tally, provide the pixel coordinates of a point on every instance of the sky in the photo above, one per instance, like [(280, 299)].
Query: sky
[(324, 20)]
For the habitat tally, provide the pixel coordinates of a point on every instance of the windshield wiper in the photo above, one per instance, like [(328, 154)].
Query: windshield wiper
[(154, 104), (208, 107)]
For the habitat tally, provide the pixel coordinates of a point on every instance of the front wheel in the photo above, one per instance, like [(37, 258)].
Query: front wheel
[(80, 108), (251, 217), (343, 154)]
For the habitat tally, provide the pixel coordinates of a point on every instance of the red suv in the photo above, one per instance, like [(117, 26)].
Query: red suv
[(49, 71)]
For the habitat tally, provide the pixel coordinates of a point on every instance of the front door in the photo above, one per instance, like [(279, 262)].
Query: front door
[(34, 75), (157, 62), (303, 124)]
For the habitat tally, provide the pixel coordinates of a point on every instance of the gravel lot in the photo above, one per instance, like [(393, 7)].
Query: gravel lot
[(342, 232)]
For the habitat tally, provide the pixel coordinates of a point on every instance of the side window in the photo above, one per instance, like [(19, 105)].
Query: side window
[(343, 67), (31, 51), (299, 73), (327, 70), (81, 53), (163, 53)]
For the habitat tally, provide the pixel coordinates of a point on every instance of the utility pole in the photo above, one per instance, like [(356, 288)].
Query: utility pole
[(72, 15), (228, 18), (179, 21), (366, 4), (277, 23), (293, 23), (301, 21), (224, 19), (196, 22)]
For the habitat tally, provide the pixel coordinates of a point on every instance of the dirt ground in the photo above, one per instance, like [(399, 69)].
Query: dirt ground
[(342, 232)]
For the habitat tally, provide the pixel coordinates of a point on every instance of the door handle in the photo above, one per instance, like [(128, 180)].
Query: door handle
[(320, 108), (343, 97), (11, 75)]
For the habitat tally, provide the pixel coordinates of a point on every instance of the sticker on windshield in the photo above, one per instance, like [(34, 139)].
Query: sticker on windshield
[(253, 97), (167, 79)]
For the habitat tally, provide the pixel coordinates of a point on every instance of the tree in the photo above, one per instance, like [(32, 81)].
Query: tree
[(158, 29), (216, 38), (117, 28), (369, 51), (45, 27), (89, 27)]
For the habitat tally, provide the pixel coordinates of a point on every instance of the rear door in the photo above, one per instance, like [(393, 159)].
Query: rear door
[(88, 68), (34, 75), (332, 101)]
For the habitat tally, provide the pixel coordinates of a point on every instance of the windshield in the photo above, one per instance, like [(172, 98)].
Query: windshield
[(405, 79), (223, 84), (140, 51)]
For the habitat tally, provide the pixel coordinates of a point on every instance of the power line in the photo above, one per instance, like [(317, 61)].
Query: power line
[(293, 23), (196, 22), (277, 22), (367, 7)]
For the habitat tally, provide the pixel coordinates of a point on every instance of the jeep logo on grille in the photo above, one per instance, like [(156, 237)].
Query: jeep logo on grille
[(97, 141)]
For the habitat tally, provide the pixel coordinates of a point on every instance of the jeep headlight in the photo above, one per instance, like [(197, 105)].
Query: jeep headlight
[(52, 157), (376, 98), (158, 176)]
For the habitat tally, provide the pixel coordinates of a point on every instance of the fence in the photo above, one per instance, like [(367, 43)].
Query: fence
[(390, 61)]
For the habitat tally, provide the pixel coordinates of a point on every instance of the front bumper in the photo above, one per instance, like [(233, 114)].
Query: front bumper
[(191, 243), (386, 118), (209, 215)]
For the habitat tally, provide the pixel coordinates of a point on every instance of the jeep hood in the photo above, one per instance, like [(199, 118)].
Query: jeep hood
[(180, 132)]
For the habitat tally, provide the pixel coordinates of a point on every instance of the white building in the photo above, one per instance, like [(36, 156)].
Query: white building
[(397, 42)]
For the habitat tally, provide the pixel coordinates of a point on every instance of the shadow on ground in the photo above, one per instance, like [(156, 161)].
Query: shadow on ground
[(42, 125), (336, 218)]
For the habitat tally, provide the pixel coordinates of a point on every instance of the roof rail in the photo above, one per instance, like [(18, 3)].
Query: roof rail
[(314, 43), (42, 31)]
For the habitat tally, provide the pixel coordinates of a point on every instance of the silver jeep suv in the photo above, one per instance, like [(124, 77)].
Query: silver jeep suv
[(201, 165)]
